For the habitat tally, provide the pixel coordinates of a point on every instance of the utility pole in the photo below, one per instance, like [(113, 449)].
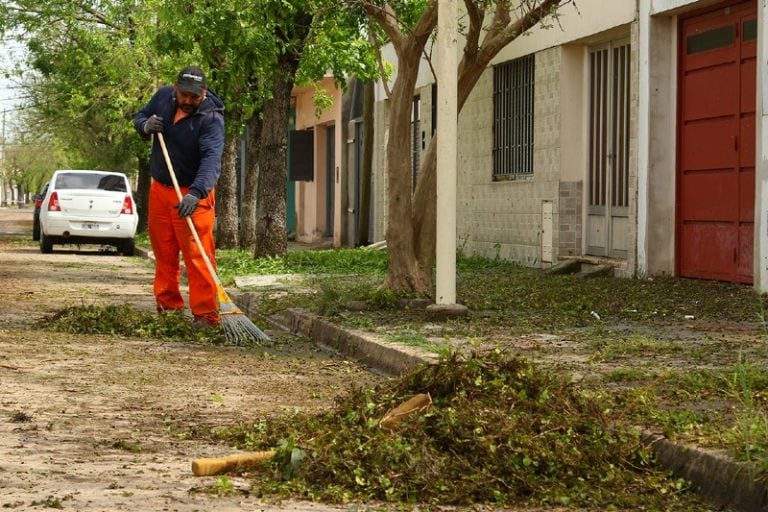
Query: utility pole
[(3, 198), (447, 117)]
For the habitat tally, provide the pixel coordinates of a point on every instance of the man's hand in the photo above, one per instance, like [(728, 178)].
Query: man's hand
[(187, 205), (153, 125)]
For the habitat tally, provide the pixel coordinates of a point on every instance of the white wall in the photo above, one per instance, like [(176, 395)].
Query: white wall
[(761, 171), (576, 21)]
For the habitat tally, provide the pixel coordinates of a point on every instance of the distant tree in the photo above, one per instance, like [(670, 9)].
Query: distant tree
[(312, 38), (89, 64), (255, 52), (30, 164)]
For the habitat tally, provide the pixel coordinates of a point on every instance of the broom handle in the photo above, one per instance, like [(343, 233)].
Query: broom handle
[(191, 225)]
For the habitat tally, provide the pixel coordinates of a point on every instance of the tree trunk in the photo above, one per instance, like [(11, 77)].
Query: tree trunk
[(271, 235), (425, 196), (411, 226), (226, 197), (142, 194), (473, 64), (404, 272), (363, 237), (251, 189)]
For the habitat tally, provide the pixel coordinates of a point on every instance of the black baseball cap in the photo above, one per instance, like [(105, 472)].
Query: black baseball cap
[(191, 79)]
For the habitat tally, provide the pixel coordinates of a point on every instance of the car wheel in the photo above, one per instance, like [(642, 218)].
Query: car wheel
[(36, 231), (46, 244), (127, 247)]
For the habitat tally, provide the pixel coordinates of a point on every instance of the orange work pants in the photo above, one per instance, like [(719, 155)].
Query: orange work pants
[(169, 234)]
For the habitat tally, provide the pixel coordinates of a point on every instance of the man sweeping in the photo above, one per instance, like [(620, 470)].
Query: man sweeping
[(191, 119)]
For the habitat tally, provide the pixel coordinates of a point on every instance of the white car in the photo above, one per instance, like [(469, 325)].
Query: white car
[(88, 207)]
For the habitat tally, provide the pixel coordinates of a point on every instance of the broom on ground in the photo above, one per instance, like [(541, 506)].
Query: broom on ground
[(238, 328)]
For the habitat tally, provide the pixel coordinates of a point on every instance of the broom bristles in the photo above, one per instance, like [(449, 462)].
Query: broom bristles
[(238, 328)]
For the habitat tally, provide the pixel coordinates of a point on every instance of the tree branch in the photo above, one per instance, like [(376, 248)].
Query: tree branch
[(426, 23), (377, 45), (503, 31), (476, 15), (387, 20)]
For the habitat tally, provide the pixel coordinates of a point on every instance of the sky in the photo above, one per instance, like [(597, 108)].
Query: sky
[(10, 94)]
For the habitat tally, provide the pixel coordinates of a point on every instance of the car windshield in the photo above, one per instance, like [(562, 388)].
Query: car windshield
[(91, 181)]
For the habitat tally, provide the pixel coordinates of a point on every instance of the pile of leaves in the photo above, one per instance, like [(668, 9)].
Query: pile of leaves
[(124, 320), (499, 430)]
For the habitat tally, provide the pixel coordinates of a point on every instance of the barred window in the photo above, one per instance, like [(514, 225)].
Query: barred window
[(415, 140), (513, 84)]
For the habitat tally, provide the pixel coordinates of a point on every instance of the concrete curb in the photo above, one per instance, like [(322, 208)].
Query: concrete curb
[(714, 474), (141, 252), (384, 358)]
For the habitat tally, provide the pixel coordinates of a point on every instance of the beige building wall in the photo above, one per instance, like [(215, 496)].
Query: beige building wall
[(504, 218), (510, 219), (661, 147), (311, 196), (534, 220), (379, 177)]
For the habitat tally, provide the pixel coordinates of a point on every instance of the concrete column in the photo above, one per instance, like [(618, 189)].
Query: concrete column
[(447, 116), (643, 133), (761, 157)]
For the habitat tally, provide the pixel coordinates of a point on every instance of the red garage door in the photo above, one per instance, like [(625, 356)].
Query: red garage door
[(716, 160)]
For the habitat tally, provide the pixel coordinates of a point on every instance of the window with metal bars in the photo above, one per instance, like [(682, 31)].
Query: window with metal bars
[(513, 89), (415, 140)]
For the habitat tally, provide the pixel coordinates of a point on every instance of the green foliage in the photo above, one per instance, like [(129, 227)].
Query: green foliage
[(224, 486), (634, 345), (88, 61), (337, 43), (30, 164), (240, 42), (335, 292), (751, 429), (570, 300), (124, 320), (232, 263), (654, 399), (499, 430), (413, 338)]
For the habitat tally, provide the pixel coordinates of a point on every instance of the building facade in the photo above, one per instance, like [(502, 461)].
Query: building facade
[(633, 133)]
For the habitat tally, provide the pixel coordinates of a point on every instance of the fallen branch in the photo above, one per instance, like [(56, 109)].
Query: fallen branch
[(238, 461), (417, 403)]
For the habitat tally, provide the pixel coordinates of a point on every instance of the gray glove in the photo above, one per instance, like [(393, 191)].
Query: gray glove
[(187, 205), (153, 124)]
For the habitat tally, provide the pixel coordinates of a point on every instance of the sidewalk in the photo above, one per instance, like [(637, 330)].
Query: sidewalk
[(725, 481)]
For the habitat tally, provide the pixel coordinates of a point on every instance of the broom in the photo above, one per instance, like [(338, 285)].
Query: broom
[(238, 328)]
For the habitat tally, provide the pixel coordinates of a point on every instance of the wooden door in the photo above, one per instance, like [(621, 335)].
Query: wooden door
[(607, 229), (716, 144)]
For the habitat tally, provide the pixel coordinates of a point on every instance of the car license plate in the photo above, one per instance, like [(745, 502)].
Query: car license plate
[(93, 227)]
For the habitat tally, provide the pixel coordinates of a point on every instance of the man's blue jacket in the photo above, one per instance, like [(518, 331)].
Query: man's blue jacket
[(195, 144)]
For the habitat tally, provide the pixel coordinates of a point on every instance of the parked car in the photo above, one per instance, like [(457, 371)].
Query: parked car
[(38, 199), (88, 207)]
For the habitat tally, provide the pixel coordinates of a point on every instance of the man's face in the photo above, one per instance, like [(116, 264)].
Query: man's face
[(187, 101)]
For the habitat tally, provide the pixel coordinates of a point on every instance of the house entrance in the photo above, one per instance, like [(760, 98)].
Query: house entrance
[(716, 143), (607, 230), (330, 178)]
